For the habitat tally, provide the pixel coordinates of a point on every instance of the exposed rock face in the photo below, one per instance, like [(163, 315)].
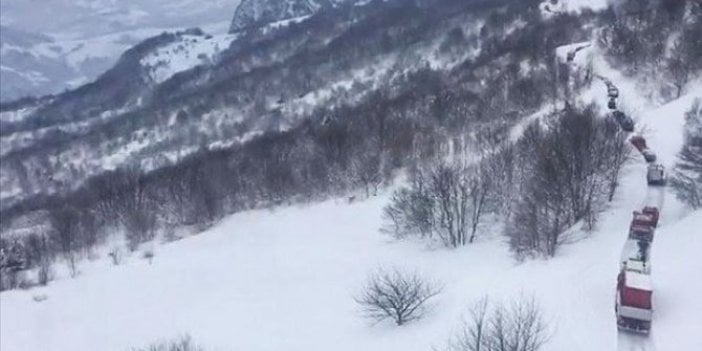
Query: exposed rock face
[(255, 13)]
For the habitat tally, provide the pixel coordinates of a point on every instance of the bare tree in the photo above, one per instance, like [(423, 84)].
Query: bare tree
[(44, 273), (67, 227), (116, 255), (12, 264), (366, 168), (448, 203), (397, 295), (448, 186), (480, 193), (474, 332), (518, 326), (410, 212)]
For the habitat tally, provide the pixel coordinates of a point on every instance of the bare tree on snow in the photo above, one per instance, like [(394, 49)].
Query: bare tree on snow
[(397, 295)]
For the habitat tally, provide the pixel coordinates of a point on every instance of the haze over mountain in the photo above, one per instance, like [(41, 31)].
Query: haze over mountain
[(47, 46)]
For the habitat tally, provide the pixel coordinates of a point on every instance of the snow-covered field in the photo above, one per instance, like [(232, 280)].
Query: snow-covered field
[(285, 279)]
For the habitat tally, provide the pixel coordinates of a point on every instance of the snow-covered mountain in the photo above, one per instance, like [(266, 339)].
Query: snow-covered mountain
[(47, 47), (232, 81), (255, 13)]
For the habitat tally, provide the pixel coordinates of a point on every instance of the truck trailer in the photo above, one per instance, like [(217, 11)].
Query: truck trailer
[(634, 302)]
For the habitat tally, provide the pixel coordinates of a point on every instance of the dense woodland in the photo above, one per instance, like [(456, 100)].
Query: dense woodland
[(423, 122)]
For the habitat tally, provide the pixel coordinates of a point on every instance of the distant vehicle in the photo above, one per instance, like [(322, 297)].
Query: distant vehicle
[(655, 174), (647, 219), (636, 256), (641, 232), (639, 142), (612, 104), (624, 121), (612, 91), (649, 156), (643, 224), (634, 302)]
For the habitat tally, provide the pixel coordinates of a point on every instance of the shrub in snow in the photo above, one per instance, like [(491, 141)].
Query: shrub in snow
[(12, 265), (518, 326), (116, 255), (39, 298), (397, 295), (72, 262), (183, 343), (45, 272), (148, 255)]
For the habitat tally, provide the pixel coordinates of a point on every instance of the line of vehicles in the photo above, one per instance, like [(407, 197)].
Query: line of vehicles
[(634, 289), (634, 294), (634, 297)]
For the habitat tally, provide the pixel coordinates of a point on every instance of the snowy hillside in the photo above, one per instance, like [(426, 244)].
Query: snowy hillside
[(188, 52), (254, 13), (285, 279)]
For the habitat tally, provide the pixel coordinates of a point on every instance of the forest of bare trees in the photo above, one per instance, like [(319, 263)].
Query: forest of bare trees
[(562, 171), (656, 41), (567, 174), (687, 179), (446, 202)]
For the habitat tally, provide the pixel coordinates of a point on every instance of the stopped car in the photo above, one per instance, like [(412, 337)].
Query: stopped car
[(612, 104), (624, 121), (642, 227), (612, 91), (649, 156), (655, 174)]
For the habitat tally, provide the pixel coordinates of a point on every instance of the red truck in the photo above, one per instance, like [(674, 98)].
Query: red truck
[(633, 303), (640, 144), (646, 217), (642, 226)]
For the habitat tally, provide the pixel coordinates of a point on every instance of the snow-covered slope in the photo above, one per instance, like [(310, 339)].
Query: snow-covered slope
[(255, 13), (559, 6), (184, 54), (265, 280)]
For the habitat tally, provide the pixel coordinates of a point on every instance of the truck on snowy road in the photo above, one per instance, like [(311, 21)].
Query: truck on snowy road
[(633, 302)]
